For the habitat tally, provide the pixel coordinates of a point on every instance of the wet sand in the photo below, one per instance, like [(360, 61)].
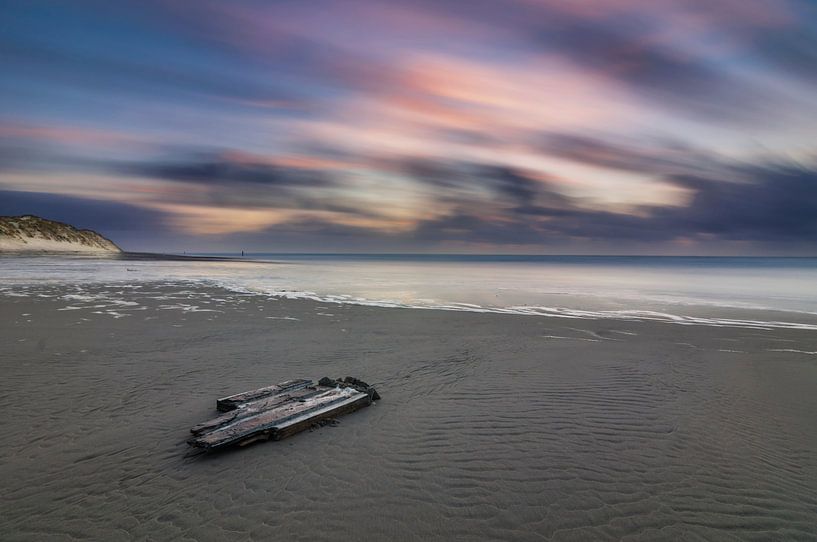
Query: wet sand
[(491, 426)]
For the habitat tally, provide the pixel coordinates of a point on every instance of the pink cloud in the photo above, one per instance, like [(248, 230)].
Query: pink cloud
[(64, 134)]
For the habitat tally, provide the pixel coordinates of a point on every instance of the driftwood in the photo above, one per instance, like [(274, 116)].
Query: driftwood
[(234, 401), (253, 407), (281, 410)]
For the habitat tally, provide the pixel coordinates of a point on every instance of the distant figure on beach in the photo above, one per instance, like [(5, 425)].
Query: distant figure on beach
[(242, 253)]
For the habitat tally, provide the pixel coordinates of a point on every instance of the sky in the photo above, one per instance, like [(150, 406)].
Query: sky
[(520, 126)]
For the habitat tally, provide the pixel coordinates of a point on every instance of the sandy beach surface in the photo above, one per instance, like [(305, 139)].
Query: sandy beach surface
[(491, 427)]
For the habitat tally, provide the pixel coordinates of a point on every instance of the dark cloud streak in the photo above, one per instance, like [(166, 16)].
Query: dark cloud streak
[(637, 157), (216, 169), (106, 217), (775, 203)]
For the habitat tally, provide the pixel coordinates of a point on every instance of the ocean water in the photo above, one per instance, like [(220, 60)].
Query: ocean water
[(744, 292)]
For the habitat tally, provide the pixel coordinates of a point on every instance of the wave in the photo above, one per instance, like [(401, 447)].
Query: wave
[(666, 315), (525, 310)]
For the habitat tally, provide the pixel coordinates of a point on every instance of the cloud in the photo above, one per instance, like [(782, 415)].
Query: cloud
[(460, 176), (756, 203), (649, 157), (102, 216), (625, 51), (795, 50), (659, 50), (491, 205), (760, 203), (687, 56), (224, 169), (427, 121), (66, 61)]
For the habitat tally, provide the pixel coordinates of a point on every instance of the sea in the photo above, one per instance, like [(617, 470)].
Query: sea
[(721, 291)]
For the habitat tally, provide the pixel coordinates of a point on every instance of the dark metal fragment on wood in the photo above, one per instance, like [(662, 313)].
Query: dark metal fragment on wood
[(351, 382)]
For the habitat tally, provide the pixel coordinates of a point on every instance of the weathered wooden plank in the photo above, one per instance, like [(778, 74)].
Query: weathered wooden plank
[(232, 402), (302, 423), (253, 407), (284, 419), (278, 411)]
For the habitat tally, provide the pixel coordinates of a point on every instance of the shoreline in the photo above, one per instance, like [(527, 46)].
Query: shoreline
[(124, 255), (712, 316), (752, 297)]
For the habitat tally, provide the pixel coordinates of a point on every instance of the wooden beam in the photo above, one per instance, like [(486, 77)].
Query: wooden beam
[(253, 407), (282, 420), (232, 402), (278, 411)]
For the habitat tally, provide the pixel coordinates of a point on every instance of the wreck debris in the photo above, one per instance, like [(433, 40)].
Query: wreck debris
[(278, 411)]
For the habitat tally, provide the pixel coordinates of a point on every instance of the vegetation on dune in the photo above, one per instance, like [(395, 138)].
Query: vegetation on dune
[(29, 228)]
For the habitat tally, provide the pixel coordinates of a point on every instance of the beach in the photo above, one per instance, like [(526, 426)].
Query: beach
[(491, 426)]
